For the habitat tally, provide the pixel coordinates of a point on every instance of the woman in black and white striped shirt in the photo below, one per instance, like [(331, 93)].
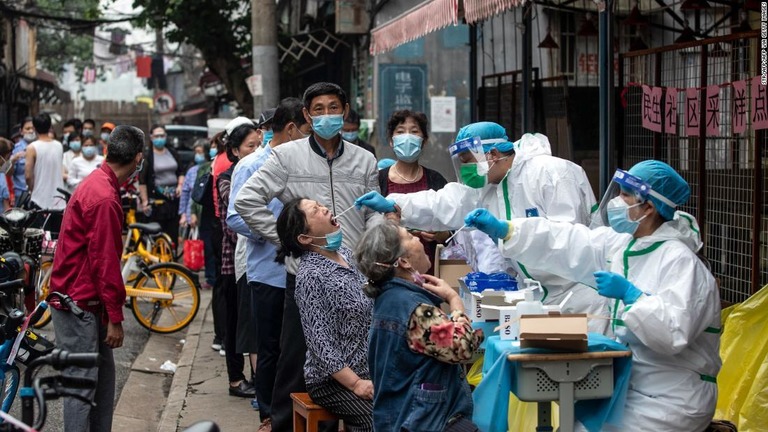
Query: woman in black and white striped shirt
[(335, 313)]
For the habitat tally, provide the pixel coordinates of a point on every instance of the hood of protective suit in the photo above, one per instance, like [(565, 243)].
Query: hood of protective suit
[(530, 146), (682, 227)]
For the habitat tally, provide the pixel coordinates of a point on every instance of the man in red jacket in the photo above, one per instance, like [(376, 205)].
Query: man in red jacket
[(87, 268)]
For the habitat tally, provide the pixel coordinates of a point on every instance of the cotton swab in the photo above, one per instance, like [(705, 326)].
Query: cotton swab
[(457, 231), (336, 217)]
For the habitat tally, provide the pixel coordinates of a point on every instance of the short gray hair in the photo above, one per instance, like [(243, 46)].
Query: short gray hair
[(379, 245), (124, 143)]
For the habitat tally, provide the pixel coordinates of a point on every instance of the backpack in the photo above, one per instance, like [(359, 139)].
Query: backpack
[(203, 187)]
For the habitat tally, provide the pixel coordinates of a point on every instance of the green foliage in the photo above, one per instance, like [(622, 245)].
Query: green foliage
[(220, 29), (59, 44)]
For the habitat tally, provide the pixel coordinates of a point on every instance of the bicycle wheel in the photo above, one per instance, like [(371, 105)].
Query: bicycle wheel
[(162, 247), (10, 386), (42, 287), (166, 316)]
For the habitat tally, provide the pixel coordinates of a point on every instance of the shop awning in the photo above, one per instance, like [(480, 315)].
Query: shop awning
[(429, 16), (478, 10)]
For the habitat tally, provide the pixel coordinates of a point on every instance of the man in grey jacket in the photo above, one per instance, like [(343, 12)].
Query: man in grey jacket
[(330, 171)]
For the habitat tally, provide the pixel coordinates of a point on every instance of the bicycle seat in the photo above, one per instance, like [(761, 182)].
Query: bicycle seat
[(149, 228)]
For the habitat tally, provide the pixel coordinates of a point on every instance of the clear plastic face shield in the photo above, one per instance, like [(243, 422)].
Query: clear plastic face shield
[(633, 185), (469, 162)]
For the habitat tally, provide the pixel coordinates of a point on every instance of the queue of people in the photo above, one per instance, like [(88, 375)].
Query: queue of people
[(321, 258)]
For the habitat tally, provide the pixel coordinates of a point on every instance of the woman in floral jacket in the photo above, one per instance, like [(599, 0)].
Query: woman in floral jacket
[(414, 348)]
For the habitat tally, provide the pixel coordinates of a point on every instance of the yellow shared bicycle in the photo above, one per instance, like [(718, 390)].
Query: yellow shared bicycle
[(164, 296)]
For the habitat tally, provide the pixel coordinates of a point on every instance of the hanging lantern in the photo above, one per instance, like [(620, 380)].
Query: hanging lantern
[(694, 5), (686, 36), (752, 5), (717, 50), (637, 44), (548, 42), (635, 18), (588, 27)]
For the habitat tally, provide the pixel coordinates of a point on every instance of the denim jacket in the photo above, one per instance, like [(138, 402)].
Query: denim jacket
[(413, 392)]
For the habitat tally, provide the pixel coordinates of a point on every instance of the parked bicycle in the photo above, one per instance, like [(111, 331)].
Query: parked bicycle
[(19, 342), (142, 242)]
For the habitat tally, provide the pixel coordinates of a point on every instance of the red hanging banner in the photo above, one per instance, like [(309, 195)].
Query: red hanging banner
[(143, 67), (759, 105), (713, 110), (670, 111), (692, 112), (739, 114), (652, 108)]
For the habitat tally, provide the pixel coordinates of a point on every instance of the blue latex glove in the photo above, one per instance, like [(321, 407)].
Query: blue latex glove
[(375, 202), (616, 286), (483, 220)]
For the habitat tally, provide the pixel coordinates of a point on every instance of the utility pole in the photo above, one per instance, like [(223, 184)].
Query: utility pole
[(265, 64)]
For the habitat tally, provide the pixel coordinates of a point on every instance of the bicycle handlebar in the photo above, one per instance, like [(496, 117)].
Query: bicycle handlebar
[(68, 303), (13, 284)]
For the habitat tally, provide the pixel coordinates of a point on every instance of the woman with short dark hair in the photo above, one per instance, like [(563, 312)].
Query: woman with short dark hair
[(335, 314), (408, 133)]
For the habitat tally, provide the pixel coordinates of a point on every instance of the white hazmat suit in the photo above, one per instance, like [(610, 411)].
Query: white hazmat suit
[(672, 330), (537, 184)]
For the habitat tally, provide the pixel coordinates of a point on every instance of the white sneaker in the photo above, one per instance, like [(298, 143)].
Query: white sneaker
[(222, 352), (216, 346)]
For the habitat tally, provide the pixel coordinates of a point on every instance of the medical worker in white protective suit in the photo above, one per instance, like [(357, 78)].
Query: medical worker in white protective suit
[(510, 180), (667, 305)]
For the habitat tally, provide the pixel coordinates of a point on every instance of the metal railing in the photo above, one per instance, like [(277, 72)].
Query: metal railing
[(725, 171)]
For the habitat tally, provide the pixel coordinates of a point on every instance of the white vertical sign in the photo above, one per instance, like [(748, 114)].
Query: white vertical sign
[(443, 113)]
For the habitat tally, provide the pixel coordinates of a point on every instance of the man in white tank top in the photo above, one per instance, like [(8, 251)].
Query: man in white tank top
[(44, 170)]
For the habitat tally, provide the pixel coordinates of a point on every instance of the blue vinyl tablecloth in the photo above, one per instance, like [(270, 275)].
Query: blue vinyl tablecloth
[(491, 397)]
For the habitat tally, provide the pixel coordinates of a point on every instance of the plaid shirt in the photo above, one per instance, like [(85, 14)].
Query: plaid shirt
[(229, 242)]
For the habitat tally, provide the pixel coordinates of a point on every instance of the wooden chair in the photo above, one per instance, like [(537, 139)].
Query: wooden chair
[(307, 415)]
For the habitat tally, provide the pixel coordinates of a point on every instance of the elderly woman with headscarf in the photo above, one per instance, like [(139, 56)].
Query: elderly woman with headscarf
[(665, 301)]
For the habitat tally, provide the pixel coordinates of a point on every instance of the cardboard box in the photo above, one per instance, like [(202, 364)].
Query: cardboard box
[(561, 332), (450, 270), (508, 314), (474, 302)]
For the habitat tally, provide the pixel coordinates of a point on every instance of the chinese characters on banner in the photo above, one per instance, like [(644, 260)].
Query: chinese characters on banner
[(670, 111), (652, 108), (739, 107), (692, 112), (713, 110), (749, 105), (759, 109)]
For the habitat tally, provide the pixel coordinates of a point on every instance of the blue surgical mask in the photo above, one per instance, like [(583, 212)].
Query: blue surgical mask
[(349, 136), (618, 216), (332, 240), (407, 147), (327, 126), (87, 132), (158, 142), (104, 136), (199, 158), (75, 146), (267, 137), (89, 151), (212, 153)]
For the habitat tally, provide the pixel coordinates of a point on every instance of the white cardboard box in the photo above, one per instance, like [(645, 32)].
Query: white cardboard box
[(474, 302)]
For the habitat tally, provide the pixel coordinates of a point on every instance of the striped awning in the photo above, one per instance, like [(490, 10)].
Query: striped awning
[(429, 16), (478, 10)]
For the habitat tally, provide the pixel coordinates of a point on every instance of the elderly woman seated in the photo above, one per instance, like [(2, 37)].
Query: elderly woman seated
[(335, 314), (415, 348)]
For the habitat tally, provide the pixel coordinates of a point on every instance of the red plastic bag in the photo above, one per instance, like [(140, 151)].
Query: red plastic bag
[(193, 253)]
